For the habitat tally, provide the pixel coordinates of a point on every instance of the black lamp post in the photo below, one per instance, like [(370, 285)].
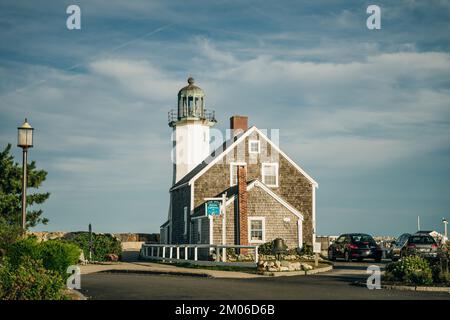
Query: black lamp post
[(24, 141)]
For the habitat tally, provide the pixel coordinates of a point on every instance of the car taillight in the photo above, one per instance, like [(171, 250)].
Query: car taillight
[(434, 246), (352, 246)]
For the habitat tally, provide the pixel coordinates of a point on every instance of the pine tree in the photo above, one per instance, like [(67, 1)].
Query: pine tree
[(11, 191)]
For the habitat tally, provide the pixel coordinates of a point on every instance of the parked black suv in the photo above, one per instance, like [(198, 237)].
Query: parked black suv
[(353, 246)]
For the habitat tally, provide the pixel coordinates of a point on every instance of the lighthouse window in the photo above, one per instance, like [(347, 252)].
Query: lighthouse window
[(270, 174), (253, 146)]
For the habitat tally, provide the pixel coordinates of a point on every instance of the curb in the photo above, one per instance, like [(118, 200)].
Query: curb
[(297, 273), (159, 272), (408, 288), (77, 294)]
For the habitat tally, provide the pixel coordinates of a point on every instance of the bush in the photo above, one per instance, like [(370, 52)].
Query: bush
[(9, 233), (103, 244), (266, 248), (56, 255), (411, 270), (306, 250), (28, 247), (29, 281)]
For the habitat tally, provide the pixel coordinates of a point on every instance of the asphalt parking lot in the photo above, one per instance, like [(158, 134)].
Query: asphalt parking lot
[(334, 285)]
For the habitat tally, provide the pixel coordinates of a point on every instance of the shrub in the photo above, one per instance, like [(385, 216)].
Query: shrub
[(56, 255), (29, 281), (28, 247), (103, 244), (412, 270), (306, 250), (266, 248), (9, 233)]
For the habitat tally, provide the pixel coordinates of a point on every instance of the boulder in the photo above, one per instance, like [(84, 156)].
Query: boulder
[(270, 264), (306, 266), (296, 265), (272, 269), (112, 257), (285, 263), (277, 263), (284, 269)]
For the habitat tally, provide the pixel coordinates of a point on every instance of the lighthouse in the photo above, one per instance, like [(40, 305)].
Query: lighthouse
[(190, 123)]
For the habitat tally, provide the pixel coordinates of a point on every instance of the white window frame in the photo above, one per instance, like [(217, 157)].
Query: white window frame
[(250, 219), (250, 146), (273, 164), (185, 220), (231, 171)]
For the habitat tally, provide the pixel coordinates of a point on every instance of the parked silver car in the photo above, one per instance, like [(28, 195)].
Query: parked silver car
[(422, 245), (397, 246)]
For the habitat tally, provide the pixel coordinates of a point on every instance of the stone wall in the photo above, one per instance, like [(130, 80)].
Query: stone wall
[(123, 237)]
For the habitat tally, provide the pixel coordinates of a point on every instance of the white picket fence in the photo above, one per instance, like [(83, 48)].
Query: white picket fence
[(182, 252)]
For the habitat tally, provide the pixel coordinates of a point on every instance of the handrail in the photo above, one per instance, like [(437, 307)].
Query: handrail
[(147, 253)]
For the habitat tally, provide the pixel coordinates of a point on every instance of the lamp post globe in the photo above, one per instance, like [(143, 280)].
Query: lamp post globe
[(25, 135), (24, 141)]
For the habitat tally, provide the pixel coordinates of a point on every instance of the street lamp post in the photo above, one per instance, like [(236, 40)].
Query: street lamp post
[(24, 141)]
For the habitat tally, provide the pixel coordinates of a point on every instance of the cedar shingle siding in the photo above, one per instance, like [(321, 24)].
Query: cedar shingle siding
[(180, 198), (294, 187)]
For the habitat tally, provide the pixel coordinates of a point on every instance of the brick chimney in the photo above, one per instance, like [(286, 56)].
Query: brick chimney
[(242, 205), (238, 124)]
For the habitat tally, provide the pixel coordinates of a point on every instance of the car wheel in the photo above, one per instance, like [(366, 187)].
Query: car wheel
[(347, 256)]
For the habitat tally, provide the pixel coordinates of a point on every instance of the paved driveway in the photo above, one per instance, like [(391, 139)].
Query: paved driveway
[(331, 285)]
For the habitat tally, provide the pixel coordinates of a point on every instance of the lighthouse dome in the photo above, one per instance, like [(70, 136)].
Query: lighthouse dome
[(191, 89)]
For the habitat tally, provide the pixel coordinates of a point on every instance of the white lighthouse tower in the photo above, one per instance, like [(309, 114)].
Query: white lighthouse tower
[(190, 123)]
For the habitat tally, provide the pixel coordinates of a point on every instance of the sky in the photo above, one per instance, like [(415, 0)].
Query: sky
[(365, 112)]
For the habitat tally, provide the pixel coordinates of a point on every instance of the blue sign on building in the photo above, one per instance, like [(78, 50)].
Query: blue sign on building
[(213, 208)]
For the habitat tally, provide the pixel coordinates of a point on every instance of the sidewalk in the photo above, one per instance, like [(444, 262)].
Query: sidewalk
[(157, 268)]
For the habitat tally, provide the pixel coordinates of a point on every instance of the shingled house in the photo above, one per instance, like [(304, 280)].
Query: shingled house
[(267, 194)]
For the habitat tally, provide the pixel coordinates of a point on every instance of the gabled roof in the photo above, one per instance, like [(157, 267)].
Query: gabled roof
[(224, 149)]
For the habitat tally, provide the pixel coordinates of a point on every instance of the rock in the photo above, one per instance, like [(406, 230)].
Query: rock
[(306, 266), (112, 257), (270, 264), (261, 263), (296, 265), (265, 264), (284, 269), (82, 259), (272, 269), (277, 263), (285, 263)]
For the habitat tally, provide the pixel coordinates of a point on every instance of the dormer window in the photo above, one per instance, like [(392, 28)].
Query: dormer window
[(253, 146)]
